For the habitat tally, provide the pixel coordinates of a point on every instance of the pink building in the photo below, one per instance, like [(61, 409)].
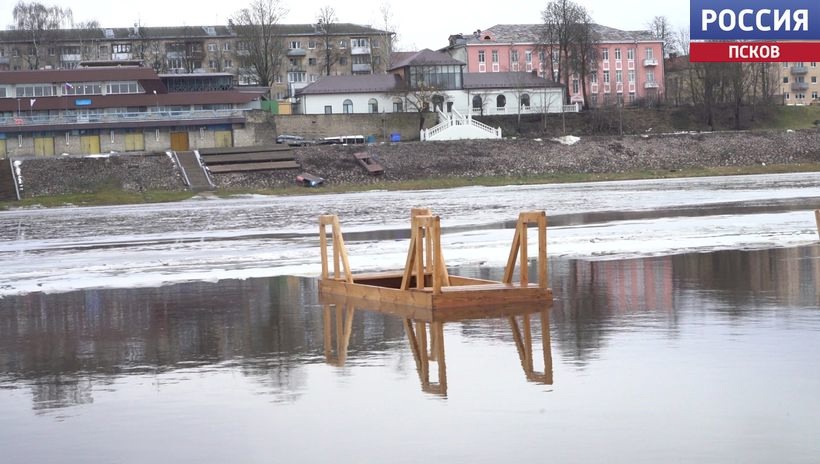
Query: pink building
[(630, 63)]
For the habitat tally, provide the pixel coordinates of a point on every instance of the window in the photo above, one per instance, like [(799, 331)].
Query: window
[(228, 64), (528, 56), (630, 53), (52, 51), (121, 48), (514, 56), (328, 109), (377, 60), (631, 97), (212, 47), (500, 101), (36, 90), (343, 44), (606, 77), (618, 54), (632, 77), (650, 76), (123, 87), (481, 56), (372, 106), (575, 86), (347, 107), (294, 44), (813, 64), (313, 78), (296, 76), (398, 107), (525, 100), (343, 61), (650, 54), (495, 56), (605, 54), (786, 96), (786, 80), (542, 56), (359, 43), (813, 79), (477, 103), (311, 44), (226, 46), (814, 95), (593, 78), (213, 64), (619, 76), (311, 61)]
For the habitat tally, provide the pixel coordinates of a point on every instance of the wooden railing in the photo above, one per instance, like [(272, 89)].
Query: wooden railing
[(518, 251), (339, 250)]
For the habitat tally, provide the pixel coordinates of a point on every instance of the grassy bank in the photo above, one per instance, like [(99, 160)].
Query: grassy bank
[(117, 197)]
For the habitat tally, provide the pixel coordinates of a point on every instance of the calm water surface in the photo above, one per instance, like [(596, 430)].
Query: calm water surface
[(709, 357)]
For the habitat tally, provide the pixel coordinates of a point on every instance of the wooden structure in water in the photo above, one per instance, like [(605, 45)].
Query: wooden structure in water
[(425, 286)]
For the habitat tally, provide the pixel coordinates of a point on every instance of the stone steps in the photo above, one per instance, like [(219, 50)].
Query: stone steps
[(7, 190)]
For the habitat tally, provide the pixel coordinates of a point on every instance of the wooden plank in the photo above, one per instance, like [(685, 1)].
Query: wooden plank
[(523, 261), (543, 276), (367, 162), (248, 157), (508, 271), (244, 167), (323, 247), (234, 150)]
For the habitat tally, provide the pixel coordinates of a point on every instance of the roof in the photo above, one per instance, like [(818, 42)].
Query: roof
[(183, 32), (506, 80), (532, 33), (424, 57), (60, 76), (370, 83)]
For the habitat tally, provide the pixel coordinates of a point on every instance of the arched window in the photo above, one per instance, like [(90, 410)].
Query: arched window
[(372, 106), (500, 101), (347, 106), (525, 101), (477, 102), (438, 103), (398, 105)]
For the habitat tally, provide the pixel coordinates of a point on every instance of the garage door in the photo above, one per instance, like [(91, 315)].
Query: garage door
[(3, 148), (223, 138), (179, 141), (135, 142), (44, 146), (90, 144)]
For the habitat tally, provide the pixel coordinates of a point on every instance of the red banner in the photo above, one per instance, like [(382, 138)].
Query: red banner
[(748, 52)]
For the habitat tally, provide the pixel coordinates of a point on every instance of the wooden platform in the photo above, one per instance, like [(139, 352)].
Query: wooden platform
[(248, 159), (436, 295), (367, 162)]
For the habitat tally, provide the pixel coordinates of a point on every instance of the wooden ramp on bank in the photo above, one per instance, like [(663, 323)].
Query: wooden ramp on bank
[(367, 161), (247, 159), (425, 285)]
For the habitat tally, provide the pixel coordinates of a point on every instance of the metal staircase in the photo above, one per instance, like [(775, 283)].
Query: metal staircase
[(193, 171)]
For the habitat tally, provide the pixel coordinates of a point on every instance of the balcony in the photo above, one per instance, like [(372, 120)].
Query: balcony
[(71, 57), (360, 50), (800, 86), (650, 62), (297, 52), (120, 56), (798, 70), (362, 68), (650, 85)]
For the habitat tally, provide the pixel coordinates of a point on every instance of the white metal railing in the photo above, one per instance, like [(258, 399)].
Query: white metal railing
[(574, 108), (650, 62), (85, 118)]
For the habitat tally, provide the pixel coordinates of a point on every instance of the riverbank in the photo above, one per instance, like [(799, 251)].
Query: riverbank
[(431, 165)]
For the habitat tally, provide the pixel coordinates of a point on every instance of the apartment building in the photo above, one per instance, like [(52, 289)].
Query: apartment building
[(309, 51), (799, 83), (629, 63)]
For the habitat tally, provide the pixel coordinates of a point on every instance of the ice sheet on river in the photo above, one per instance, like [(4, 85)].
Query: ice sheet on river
[(145, 245)]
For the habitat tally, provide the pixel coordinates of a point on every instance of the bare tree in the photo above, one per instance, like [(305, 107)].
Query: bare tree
[(40, 24), (388, 38), (419, 95), (568, 36), (258, 27), (661, 29), (326, 23)]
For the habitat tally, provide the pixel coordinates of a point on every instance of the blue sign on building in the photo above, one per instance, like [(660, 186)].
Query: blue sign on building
[(82, 102)]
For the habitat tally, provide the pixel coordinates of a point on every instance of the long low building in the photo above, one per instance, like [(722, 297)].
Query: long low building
[(102, 109), (433, 81)]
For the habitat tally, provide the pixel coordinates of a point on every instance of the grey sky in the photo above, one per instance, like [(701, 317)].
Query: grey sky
[(420, 23)]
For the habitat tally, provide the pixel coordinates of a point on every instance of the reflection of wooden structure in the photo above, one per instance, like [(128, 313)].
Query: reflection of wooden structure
[(817, 219), (425, 283), (426, 338)]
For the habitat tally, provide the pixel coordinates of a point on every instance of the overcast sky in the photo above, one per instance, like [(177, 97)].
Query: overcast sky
[(419, 23)]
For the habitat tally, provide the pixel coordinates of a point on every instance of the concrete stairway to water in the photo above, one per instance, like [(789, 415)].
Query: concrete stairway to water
[(195, 174), (7, 190)]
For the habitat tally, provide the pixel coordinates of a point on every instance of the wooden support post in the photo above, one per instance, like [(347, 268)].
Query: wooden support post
[(527, 329), (433, 253), (421, 335), (817, 219), (543, 276), (340, 257), (419, 253), (324, 220), (508, 271), (328, 337), (437, 331), (524, 261), (546, 345)]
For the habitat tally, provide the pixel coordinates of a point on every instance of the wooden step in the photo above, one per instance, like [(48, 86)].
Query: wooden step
[(248, 157), (7, 190), (241, 167), (234, 150)]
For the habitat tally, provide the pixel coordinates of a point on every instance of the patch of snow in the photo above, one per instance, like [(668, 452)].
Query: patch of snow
[(100, 155), (567, 140)]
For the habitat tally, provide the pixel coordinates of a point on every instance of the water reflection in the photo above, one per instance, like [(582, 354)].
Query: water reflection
[(338, 314), (64, 347)]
